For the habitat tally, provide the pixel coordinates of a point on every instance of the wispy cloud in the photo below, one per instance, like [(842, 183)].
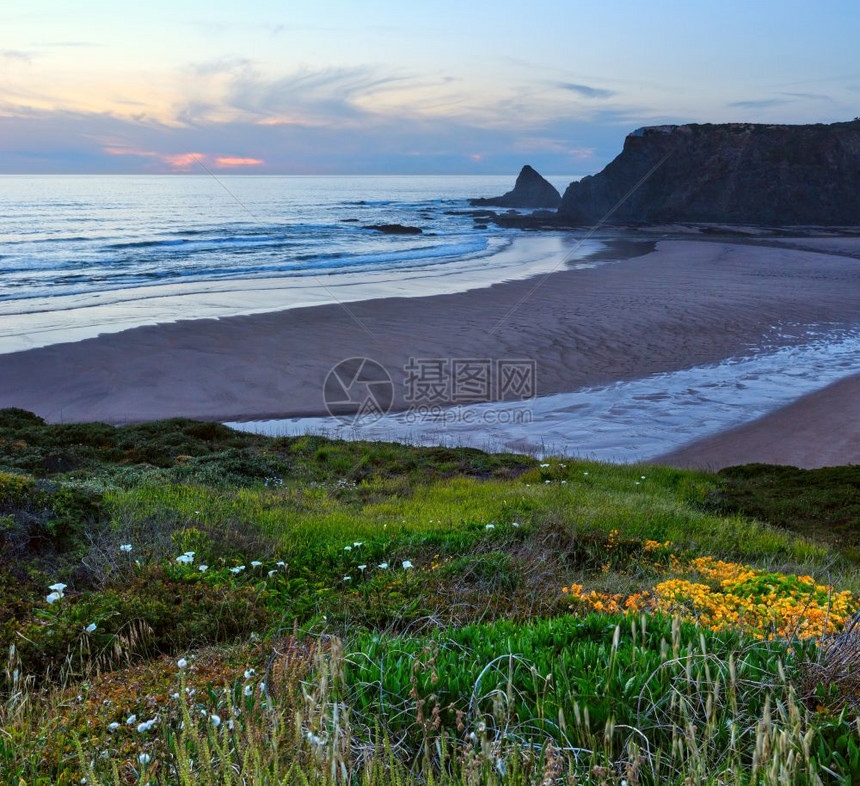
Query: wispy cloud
[(311, 97), (586, 91), (560, 147), (68, 44), (221, 65), (763, 103), (16, 55), (810, 96)]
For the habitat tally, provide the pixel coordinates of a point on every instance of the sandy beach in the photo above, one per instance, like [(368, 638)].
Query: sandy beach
[(818, 430), (687, 302)]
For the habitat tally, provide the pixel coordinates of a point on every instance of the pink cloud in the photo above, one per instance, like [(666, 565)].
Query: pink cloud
[(177, 161), (124, 150), (231, 161), (183, 161)]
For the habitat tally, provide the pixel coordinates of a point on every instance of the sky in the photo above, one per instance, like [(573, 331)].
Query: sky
[(398, 87)]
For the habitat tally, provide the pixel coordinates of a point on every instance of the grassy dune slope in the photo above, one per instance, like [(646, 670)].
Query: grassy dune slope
[(246, 610)]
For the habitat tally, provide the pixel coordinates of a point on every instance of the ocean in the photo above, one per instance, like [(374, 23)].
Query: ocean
[(80, 235)]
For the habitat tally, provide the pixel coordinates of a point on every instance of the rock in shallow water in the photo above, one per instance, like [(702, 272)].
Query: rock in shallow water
[(394, 229)]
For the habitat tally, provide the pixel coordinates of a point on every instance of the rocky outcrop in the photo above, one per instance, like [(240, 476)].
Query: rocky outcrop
[(394, 229), (530, 191), (733, 173)]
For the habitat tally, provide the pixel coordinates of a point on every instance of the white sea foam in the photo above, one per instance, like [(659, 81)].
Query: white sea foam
[(41, 322)]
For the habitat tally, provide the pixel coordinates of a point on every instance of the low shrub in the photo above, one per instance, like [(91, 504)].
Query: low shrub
[(158, 611)]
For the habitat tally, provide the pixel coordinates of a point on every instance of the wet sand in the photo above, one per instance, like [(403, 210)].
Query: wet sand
[(687, 303), (818, 430)]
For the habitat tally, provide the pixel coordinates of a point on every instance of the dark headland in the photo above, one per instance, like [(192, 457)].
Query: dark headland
[(733, 173)]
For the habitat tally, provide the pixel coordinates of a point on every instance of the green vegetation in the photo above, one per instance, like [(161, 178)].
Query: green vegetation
[(278, 611), (818, 503)]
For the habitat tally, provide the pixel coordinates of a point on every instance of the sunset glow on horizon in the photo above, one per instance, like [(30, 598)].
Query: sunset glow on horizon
[(337, 87)]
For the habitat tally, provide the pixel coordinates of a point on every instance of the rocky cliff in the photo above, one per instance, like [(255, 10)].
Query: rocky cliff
[(530, 191), (732, 173)]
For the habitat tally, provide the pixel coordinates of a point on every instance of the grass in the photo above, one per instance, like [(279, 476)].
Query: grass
[(376, 613), (823, 504)]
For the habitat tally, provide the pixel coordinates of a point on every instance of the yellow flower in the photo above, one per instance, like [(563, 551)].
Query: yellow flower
[(761, 602)]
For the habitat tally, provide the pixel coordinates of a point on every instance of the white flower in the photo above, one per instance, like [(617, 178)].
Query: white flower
[(547, 481), (358, 543), (202, 568), (189, 553), (262, 687), (215, 720), (347, 548), (91, 628), (125, 547), (544, 465), (146, 725), (642, 477), (407, 564), (130, 719), (347, 578), (638, 483), (585, 473), (362, 568), (248, 690), (515, 523), (490, 526), (564, 482), (185, 559), (383, 565), (113, 726), (271, 573), (280, 563), (256, 563), (181, 663), (249, 673), (174, 695), (58, 587), (563, 466), (54, 596), (238, 569), (144, 759)]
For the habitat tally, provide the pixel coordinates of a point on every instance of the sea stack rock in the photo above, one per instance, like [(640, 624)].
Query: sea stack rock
[(737, 173), (530, 191)]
